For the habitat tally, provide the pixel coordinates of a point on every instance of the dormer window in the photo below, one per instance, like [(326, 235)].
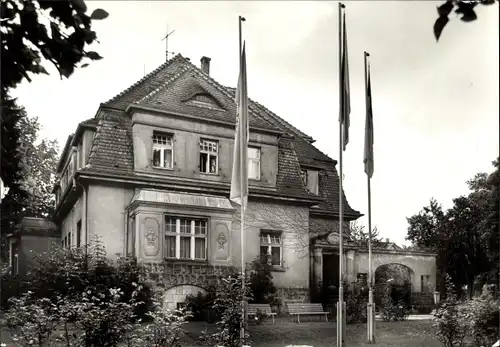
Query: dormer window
[(204, 100), (253, 163), (209, 156), (310, 179), (163, 151)]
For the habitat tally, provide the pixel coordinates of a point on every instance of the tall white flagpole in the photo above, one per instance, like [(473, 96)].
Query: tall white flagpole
[(340, 304), (242, 209), (371, 306)]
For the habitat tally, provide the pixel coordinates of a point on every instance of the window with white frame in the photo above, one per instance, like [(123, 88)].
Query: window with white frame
[(209, 156), (185, 238), (163, 151), (271, 246), (253, 163)]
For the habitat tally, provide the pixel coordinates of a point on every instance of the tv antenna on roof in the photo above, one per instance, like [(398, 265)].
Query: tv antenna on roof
[(166, 43)]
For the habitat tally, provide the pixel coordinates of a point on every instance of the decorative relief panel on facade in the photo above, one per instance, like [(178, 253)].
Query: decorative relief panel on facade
[(333, 238), (151, 234), (221, 240), (222, 237)]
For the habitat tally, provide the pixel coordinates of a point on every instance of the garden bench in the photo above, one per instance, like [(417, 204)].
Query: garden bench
[(264, 308), (306, 309)]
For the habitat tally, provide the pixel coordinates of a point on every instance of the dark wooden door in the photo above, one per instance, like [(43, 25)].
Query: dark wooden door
[(330, 273)]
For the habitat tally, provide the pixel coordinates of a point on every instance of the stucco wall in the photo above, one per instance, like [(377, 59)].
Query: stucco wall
[(106, 216), (420, 264), (68, 224), (293, 221), (187, 134)]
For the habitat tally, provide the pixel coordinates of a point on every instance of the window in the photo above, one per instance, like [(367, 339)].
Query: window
[(78, 233), (310, 179), (163, 151), (424, 283), (15, 264), (69, 239), (185, 238), (209, 156), (253, 163), (271, 246)]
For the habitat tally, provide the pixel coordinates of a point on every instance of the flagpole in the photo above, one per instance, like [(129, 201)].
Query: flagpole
[(340, 304), (242, 209), (371, 306)]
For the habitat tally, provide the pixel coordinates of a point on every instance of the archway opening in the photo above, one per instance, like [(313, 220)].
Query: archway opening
[(394, 280)]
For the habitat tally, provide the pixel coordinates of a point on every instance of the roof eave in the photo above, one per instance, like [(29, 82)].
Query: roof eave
[(64, 152)]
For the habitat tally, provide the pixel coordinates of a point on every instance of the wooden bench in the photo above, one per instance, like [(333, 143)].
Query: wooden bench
[(306, 309), (264, 308)]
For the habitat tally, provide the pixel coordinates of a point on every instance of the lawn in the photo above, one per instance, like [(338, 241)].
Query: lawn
[(414, 333)]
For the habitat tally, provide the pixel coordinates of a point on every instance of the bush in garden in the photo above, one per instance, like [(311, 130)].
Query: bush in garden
[(228, 306), (356, 309), (10, 287), (261, 281), (164, 330), (484, 319), (200, 303), (451, 319), (71, 271), (390, 309), (94, 319), (32, 321)]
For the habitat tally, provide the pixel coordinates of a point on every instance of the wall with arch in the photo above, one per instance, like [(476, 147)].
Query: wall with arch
[(421, 264), (177, 294)]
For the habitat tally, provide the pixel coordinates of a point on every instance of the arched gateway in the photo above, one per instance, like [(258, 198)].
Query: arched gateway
[(418, 268)]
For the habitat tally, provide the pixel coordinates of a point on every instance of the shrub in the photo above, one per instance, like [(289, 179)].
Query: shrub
[(451, 319), (228, 306), (261, 281), (356, 308), (164, 330), (200, 303), (70, 272), (392, 310), (484, 319), (10, 287), (32, 321)]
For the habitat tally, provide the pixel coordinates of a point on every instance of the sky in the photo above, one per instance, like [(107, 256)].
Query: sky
[(435, 105)]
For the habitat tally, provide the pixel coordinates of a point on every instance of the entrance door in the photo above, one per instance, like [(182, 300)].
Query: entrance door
[(331, 275)]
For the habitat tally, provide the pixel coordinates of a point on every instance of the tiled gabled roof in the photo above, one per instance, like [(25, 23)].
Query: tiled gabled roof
[(167, 88)]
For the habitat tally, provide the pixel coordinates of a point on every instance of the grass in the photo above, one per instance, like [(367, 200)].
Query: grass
[(318, 334), (415, 333)]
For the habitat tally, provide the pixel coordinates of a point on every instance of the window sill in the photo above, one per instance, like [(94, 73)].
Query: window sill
[(278, 269), (209, 174), (162, 168), (186, 261)]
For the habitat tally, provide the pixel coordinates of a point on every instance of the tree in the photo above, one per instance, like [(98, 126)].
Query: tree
[(26, 40), (463, 8), (26, 44), (30, 195), (465, 237), (359, 236), (423, 230)]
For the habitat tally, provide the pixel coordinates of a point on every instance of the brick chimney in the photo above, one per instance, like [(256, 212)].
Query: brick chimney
[(387, 240), (205, 65)]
